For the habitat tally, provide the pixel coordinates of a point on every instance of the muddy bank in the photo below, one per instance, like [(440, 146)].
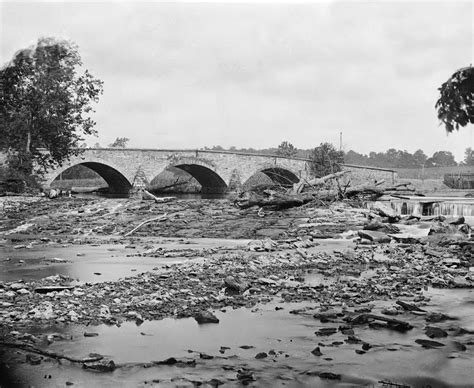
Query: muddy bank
[(311, 296)]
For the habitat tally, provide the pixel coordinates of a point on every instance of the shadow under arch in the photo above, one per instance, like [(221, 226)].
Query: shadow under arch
[(117, 182), (281, 176), (209, 180)]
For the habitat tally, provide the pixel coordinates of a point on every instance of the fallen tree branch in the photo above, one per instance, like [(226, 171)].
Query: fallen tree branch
[(160, 218), (155, 198), (300, 186), (58, 356)]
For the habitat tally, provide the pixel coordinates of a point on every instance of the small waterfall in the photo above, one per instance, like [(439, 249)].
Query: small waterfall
[(453, 207)]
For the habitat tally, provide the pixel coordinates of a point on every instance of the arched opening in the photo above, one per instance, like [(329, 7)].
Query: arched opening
[(93, 175), (271, 176), (281, 176), (173, 180), (210, 181)]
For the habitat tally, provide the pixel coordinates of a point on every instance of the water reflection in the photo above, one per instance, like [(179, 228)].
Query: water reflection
[(288, 339)]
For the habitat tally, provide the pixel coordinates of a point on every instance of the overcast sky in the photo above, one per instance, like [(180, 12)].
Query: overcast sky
[(189, 75)]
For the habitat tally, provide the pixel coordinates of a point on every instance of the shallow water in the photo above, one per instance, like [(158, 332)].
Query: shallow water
[(112, 262), (394, 357)]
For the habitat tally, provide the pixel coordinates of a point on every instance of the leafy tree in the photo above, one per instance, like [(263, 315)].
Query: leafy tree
[(469, 157), (325, 160), (120, 142), (441, 159), (286, 149), (456, 102), (419, 158), (45, 105)]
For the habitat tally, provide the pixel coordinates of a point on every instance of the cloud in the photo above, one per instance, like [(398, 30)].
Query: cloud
[(191, 75)]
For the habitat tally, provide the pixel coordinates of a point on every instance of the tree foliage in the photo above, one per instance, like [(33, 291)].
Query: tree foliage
[(468, 157), (287, 149), (441, 159), (393, 158), (325, 160), (46, 105), (120, 142), (455, 105)]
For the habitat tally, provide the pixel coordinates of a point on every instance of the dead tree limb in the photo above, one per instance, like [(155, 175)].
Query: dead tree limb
[(160, 218), (300, 186), (58, 356)]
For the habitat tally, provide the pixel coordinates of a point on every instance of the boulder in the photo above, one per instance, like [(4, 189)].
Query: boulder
[(381, 227), (235, 284), (205, 317), (374, 236), (384, 210), (435, 332)]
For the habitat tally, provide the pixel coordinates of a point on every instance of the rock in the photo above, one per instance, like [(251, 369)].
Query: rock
[(435, 332), (326, 331), (205, 317), (33, 359), (16, 286), (86, 334), (104, 312), (374, 236), (57, 260), (329, 376), (409, 306), (43, 311), (381, 227), (429, 344), (205, 356), (245, 376), (436, 317), (246, 347), (234, 284), (316, 351), (384, 210), (46, 289), (442, 228), (390, 311), (455, 220), (460, 282), (101, 366), (459, 346), (261, 355), (433, 253)]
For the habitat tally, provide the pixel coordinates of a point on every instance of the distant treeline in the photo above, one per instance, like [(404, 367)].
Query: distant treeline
[(392, 158)]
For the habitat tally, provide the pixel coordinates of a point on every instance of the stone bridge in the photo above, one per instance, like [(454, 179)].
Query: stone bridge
[(125, 169)]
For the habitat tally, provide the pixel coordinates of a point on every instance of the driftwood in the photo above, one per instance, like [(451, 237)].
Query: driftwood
[(58, 356), (148, 195), (160, 218), (394, 324), (308, 191), (271, 199), (300, 186)]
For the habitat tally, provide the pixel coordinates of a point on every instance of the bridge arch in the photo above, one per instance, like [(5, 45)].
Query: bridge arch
[(280, 175), (118, 183), (204, 173)]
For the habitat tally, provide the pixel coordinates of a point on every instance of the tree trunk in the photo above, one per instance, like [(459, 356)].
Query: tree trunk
[(28, 142)]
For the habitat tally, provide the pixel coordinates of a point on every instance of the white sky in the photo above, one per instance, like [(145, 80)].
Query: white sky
[(188, 75)]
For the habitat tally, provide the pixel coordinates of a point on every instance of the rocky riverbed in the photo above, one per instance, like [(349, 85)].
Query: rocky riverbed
[(204, 293)]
